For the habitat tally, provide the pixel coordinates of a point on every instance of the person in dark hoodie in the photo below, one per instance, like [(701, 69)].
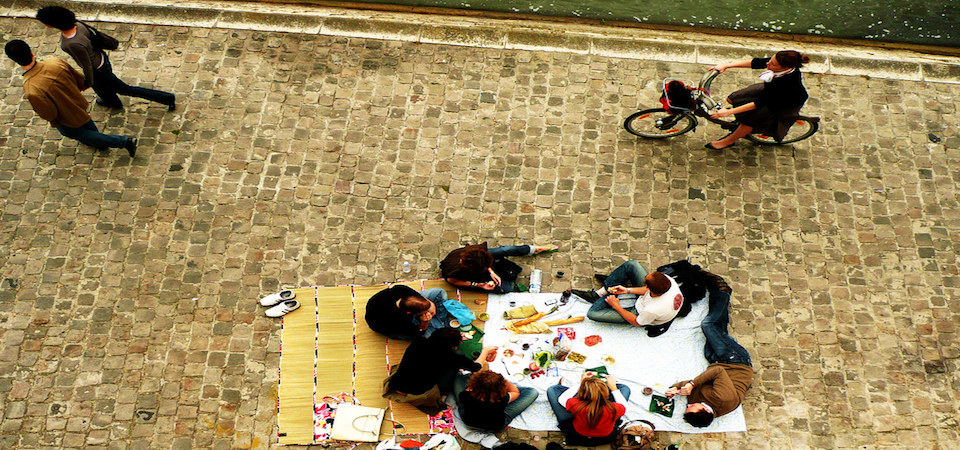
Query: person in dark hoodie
[(426, 373), (76, 40)]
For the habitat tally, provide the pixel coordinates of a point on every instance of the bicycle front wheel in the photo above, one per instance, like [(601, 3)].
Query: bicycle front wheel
[(803, 128), (658, 123)]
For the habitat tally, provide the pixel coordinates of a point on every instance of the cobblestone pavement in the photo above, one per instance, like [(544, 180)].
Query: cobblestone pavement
[(128, 314)]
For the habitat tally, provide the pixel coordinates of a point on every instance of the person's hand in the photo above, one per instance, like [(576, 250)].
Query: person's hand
[(719, 68), (612, 300), (686, 389), (496, 278), (426, 316), (486, 352), (488, 286), (588, 374), (423, 325), (723, 112), (618, 290), (611, 382), (671, 392)]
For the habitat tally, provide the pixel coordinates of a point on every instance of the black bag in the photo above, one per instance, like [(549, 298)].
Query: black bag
[(101, 40), (508, 270)]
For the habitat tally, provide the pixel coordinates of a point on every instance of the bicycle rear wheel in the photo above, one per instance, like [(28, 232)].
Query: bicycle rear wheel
[(803, 128), (658, 123)]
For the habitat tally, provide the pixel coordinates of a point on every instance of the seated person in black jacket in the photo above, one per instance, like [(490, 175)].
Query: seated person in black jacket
[(400, 312), (426, 372)]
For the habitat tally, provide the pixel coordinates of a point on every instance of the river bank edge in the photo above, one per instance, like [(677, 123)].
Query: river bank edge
[(707, 46)]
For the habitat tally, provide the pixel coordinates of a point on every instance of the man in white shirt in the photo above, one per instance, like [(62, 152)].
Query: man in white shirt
[(658, 298)]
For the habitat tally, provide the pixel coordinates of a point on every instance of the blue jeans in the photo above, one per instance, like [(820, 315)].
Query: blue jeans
[(513, 409), (720, 346), (503, 252), (554, 393), (89, 134), (107, 86), (441, 319), (629, 274)]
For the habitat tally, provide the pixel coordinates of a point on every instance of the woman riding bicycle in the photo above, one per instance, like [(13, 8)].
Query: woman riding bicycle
[(770, 107)]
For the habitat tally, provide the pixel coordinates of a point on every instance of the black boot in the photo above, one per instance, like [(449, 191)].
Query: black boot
[(589, 296), (716, 281), (657, 330)]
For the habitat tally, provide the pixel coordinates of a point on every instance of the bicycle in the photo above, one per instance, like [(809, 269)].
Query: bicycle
[(682, 105)]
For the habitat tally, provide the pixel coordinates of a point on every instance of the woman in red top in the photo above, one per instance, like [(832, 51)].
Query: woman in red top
[(589, 415)]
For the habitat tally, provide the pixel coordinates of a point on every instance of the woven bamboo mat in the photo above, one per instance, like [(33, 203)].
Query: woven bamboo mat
[(327, 349)]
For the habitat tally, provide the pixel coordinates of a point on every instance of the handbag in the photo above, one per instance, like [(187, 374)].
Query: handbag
[(325, 412), (635, 437), (101, 40), (359, 423)]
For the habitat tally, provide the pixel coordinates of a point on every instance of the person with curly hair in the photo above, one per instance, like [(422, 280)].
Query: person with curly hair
[(489, 402), (589, 415), (478, 268)]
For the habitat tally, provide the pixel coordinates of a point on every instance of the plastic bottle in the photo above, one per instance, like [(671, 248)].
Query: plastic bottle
[(405, 267), (536, 278)]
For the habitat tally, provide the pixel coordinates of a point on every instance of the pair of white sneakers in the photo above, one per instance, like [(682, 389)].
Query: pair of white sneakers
[(282, 303)]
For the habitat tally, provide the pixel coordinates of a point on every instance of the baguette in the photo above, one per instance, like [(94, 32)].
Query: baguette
[(565, 321), (530, 319)]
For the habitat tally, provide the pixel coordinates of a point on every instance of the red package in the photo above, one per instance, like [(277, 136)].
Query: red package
[(570, 332)]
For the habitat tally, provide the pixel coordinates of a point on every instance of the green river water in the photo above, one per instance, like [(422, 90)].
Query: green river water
[(928, 22)]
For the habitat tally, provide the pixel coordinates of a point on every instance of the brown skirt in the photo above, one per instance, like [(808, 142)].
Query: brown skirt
[(762, 119)]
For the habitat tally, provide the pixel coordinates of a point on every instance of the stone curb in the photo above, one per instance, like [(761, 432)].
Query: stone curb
[(613, 42)]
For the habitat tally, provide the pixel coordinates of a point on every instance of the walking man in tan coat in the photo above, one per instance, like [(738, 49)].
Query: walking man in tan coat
[(53, 89)]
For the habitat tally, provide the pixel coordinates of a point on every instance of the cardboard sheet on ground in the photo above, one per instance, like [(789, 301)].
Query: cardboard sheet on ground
[(639, 361)]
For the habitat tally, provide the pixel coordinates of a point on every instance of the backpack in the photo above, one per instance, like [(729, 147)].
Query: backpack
[(101, 40), (634, 435), (691, 281)]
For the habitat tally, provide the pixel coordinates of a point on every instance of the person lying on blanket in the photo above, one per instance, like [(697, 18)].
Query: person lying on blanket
[(659, 299), (400, 312), (489, 402), (426, 372), (588, 415), (721, 388)]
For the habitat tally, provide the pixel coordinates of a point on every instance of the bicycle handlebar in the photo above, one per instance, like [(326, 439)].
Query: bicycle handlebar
[(707, 79)]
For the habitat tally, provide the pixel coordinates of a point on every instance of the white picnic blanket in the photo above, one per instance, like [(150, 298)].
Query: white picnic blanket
[(640, 361)]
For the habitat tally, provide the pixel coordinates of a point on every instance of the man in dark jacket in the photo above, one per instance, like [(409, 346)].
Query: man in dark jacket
[(53, 89), (77, 39), (721, 388)]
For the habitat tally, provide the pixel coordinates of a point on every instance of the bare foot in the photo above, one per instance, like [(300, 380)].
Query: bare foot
[(545, 248)]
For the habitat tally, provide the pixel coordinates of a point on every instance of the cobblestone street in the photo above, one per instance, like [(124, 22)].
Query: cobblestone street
[(128, 288)]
